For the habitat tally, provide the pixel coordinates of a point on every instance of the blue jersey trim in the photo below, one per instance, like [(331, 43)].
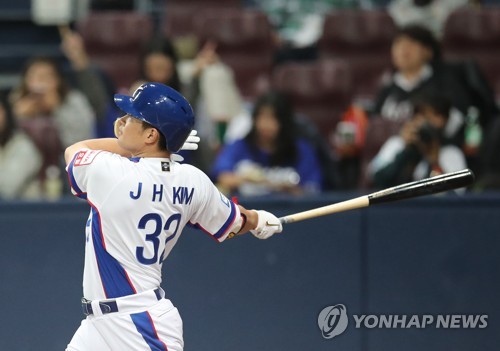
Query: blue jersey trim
[(72, 180), (114, 278), (223, 229), (228, 223), (146, 328)]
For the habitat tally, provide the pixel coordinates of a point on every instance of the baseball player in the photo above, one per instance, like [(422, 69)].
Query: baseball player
[(141, 199)]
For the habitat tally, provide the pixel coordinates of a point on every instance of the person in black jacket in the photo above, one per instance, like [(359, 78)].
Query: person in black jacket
[(416, 57), (420, 150)]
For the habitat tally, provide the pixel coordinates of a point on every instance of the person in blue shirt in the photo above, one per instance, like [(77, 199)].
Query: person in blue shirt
[(271, 158)]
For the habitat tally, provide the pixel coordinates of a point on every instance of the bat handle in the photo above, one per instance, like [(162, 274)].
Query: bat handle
[(285, 220)]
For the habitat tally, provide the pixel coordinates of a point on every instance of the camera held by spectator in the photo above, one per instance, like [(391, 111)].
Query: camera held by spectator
[(421, 148)]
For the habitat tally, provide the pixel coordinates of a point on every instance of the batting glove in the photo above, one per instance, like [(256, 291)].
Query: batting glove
[(192, 141), (267, 226)]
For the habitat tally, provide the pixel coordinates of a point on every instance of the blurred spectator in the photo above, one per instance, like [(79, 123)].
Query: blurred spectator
[(420, 150), (298, 25), (88, 79), (220, 96), (159, 64), (207, 83), (306, 130), (296, 31), (20, 160), (348, 142), (431, 14), (419, 70), (490, 160), (270, 158), (43, 92)]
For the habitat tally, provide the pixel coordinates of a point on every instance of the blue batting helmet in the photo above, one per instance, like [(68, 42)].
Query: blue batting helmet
[(162, 107)]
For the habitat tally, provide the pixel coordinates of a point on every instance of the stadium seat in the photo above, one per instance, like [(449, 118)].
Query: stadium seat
[(180, 22), (472, 33), (321, 90), (363, 37), (244, 42), (114, 41)]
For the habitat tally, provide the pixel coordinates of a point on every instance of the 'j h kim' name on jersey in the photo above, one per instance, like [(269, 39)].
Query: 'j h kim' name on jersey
[(181, 195)]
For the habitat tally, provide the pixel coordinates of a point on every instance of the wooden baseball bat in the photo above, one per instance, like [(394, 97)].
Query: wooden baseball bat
[(433, 185)]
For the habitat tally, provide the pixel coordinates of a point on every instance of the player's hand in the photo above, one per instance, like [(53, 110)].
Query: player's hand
[(267, 226), (192, 141)]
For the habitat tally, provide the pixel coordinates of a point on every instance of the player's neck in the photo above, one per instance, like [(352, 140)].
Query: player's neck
[(151, 153)]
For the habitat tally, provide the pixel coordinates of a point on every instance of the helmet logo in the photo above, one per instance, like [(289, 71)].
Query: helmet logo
[(137, 92)]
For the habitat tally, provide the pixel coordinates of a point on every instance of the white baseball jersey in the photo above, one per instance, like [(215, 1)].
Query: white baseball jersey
[(139, 208)]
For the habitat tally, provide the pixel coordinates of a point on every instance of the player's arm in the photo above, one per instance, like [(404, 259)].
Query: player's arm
[(250, 221), (261, 224), (105, 144), (111, 145), (222, 218)]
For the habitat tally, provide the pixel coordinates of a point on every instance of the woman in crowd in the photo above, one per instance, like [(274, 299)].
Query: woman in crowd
[(270, 158), (159, 64), (208, 84), (20, 160), (86, 75), (43, 92)]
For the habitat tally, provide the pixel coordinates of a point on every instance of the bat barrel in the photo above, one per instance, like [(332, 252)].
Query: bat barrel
[(423, 187)]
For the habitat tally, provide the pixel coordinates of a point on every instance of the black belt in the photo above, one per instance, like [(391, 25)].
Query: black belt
[(108, 306)]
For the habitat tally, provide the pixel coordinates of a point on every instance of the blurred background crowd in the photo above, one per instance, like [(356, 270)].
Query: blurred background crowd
[(291, 96)]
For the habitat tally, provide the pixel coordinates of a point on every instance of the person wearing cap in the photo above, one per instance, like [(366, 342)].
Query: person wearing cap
[(140, 201)]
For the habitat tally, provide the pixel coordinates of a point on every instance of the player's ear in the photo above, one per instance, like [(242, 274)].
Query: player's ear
[(152, 136)]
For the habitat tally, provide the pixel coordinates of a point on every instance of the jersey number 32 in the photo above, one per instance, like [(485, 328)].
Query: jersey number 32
[(154, 236)]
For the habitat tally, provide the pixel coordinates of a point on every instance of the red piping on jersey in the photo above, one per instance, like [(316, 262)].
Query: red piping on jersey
[(100, 223), (130, 281), (71, 185), (156, 333), (78, 194), (196, 225), (96, 260)]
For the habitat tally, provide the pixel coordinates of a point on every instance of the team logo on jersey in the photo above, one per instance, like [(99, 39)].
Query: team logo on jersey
[(86, 157), (224, 200), (165, 166)]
